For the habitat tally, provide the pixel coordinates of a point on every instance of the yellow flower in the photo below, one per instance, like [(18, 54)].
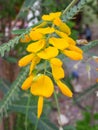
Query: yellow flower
[(59, 43), (36, 46), (70, 41), (34, 62), (56, 62), (61, 34), (34, 35), (65, 36), (73, 55), (25, 60), (62, 26), (43, 24), (75, 48), (51, 16), (47, 30), (64, 89), (27, 83), (25, 39), (40, 106), (42, 86), (57, 70), (48, 53)]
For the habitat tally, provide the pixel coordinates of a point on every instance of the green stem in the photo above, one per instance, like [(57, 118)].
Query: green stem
[(27, 109), (69, 6), (36, 125), (45, 67), (58, 108)]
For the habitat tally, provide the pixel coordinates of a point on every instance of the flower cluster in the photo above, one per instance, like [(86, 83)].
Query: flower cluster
[(48, 40)]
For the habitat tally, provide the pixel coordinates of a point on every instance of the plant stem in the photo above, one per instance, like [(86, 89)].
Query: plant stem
[(69, 6), (36, 125), (45, 67), (57, 103), (27, 109)]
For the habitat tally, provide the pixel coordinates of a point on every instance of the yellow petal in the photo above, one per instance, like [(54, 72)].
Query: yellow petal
[(35, 61), (25, 60), (73, 55), (59, 43), (57, 21), (25, 39), (57, 72), (42, 86), (56, 62), (70, 41), (65, 36), (40, 25), (64, 28), (34, 35), (51, 16), (75, 48), (27, 83), (47, 30), (48, 53), (36, 46), (64, 89), (40, 106), (61, 34)]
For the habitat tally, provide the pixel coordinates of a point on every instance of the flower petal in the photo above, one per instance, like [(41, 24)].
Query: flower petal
[(75, 48), (64, 89), (70, 41), (40, 106), (25, 60), (36, 46), (51, 16), (59, 43), (27, 83), (47, 30), (57, 21), (34, 35), (57, 70), (62, 26), (42, 86), (61, 34), (56, 62), (48, 53), (73, 55), (34, 62), (40, 25), (25, 39)]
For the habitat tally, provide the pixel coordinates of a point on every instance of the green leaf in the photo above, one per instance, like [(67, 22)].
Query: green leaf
[(89, 45), (86, 92), (74, 10), (13, 92), (11, 59), (4, 85), (43, 123), (25, 8), (19, 31)]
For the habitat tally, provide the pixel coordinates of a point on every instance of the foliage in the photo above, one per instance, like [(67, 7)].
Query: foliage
[(85, 122), (17, 101)]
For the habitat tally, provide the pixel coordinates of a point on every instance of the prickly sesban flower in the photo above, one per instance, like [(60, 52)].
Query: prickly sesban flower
[(45, 45)]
